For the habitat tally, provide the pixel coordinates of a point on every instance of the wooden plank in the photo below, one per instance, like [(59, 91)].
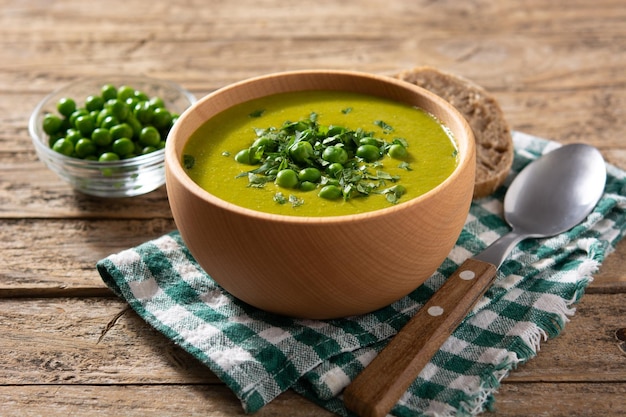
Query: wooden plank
[(89, 341), (95, 341), (548, 400), (57, 257), (62, 255), (587, 350), (38, 193), (55, 362), (560, 400), (142, 400), (611, 276)]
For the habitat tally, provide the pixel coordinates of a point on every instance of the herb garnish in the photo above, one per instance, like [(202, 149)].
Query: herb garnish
[(188, 161), (281, 199), (257, 113), (384, 126), (339, 162)]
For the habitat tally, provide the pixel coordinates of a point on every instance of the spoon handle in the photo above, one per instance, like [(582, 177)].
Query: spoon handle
[(381, 384)]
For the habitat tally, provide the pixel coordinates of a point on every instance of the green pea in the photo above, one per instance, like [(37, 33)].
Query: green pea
[(52, 124), (301, 152), (141, 96), (123, 147), (94, 103), (287, 178), (132, 121), (369, 153), (370, 141), (63, 146), (148, 149), (335, 154), (131, 102), (149, 136), (307, 186), (397, 151), (122, 130), (334, 170), (143, 112), (161, 118), (108, 122), (157, 102), (109, 156), (108, 92), (310, 174), (85, 124), (107, 125), (125, 92), (265, 142), (300, 126), (119, 109), (102, 114), (73, 135), (335, 130), (66, 106), (101, 136), (85, 147), (244, 156), (76, 114), (330, 192)]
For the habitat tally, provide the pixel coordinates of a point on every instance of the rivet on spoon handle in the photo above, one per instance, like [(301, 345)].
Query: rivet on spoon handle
[(377, 389)]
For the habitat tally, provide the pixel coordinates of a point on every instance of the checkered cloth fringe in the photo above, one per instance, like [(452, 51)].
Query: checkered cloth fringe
[(260, 355)]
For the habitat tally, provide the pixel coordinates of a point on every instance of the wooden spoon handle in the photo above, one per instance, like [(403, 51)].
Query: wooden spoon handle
[(375, 390)]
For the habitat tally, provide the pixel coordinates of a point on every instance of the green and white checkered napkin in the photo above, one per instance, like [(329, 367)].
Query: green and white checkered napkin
[(259, 355)]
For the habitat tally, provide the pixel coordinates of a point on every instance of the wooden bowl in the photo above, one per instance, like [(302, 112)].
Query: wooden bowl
[(310, 267)]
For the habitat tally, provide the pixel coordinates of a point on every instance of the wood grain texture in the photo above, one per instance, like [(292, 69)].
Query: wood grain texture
[(141, 400), (40, 330), (73, 346), (557, 69)]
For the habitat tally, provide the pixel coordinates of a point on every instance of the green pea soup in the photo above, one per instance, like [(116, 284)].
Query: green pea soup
[(431, 151)]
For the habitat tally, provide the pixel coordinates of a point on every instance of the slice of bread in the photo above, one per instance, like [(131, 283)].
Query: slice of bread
[(494, 145)]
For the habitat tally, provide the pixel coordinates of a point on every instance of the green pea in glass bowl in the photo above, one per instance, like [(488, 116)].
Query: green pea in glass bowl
[(86, 140)]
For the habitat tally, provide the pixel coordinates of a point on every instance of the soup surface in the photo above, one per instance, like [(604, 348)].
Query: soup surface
[(431, 153)]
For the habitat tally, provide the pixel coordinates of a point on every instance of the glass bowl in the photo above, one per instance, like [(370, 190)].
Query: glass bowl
[(123, 178)]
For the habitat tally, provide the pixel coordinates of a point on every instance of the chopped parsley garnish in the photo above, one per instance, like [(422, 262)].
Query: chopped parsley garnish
[(188, 161), (340, 163), (257, 113), (384, 126)]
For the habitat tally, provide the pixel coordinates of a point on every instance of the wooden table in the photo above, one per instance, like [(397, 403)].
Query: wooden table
[(68, 347)]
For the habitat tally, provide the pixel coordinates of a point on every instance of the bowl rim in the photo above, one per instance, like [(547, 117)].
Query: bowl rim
[(153, 157), (173, 164)]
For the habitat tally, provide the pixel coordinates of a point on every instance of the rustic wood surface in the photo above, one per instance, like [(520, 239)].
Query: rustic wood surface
[(68, 347)]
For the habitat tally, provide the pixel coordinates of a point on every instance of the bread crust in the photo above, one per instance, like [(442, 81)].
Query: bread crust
[(494, 144)]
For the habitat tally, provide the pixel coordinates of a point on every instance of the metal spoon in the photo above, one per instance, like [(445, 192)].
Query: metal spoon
[(550, 196)]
